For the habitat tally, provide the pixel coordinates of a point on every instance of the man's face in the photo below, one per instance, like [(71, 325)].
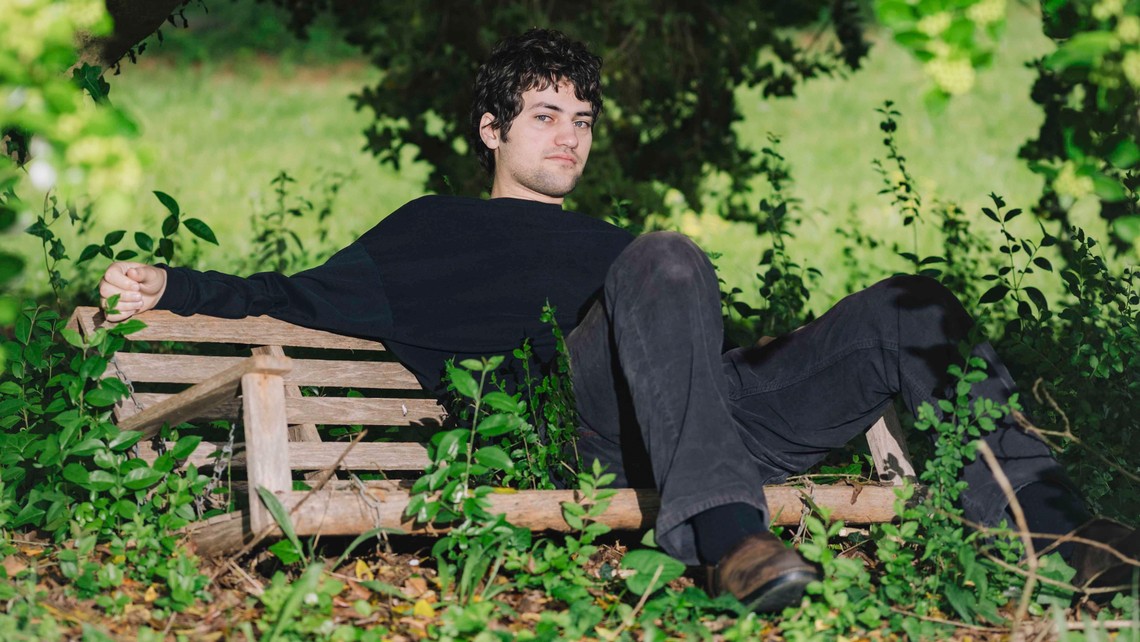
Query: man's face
[(542, 157)]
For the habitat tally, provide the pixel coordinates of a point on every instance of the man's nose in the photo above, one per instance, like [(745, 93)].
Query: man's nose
[(567, 136)]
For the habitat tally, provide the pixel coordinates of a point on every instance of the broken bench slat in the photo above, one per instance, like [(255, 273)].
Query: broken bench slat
[(347, 512), (887, 444), (190, 402), (142, 367)]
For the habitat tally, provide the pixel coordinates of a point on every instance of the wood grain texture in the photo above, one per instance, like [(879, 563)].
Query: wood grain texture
[(372, 456), (334, 411), (146, 367), (297, 432), (346, 512), (191, 403), (266, 441), (163, 325), (367, 412)]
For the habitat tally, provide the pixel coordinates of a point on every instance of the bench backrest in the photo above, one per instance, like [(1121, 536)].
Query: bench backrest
[(331, 362)]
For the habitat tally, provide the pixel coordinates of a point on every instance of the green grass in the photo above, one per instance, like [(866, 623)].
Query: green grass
[(830, 135), (217, 133)]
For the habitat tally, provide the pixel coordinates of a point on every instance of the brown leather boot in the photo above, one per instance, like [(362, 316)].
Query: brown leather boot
[(1098, 568), (763, 574)]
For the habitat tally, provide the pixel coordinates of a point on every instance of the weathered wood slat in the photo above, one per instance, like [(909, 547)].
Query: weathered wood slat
[(320, 455), (366, 412), (346, 512), (887, 444), (191, 402), (336, 411), (163, 325), (142, 367)]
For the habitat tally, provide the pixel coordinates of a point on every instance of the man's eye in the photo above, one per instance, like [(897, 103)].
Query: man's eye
[(544, 118), (583, 124)]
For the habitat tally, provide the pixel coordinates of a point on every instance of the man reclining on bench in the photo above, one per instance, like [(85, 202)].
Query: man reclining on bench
[(659, 401)]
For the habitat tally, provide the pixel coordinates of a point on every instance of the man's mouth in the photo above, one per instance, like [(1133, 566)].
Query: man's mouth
[(568, 158)]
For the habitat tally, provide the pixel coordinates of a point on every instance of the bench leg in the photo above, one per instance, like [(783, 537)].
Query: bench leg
[(266, 442)]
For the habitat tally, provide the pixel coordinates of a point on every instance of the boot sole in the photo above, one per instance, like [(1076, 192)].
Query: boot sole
[(780, 593)]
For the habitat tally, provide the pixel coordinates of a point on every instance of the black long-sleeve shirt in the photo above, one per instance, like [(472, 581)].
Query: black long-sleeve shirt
[(440, 277)]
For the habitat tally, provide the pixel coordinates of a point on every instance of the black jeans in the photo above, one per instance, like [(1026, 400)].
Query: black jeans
[(662, 406)]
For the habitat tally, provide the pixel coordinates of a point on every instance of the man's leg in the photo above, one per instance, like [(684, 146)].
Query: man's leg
[(811, 391), (651, 392)]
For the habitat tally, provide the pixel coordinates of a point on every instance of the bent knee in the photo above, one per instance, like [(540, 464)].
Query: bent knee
[(911, 292), (670, 255)]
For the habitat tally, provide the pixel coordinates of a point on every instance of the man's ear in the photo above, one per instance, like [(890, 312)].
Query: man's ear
[(488, 132)]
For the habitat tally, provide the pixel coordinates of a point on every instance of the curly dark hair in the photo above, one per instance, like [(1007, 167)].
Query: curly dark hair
[(536, 59)]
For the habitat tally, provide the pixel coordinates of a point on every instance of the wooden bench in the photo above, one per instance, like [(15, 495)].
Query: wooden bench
[(282, 440)]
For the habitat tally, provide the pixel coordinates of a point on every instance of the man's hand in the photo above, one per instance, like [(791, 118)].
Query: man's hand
[(138, 285)]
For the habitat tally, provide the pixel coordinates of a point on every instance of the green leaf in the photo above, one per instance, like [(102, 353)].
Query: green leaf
[(464, 383), (100, 480), (86, 447), (142, 477), (130, 326), (647, 564), (170, 204), (169, 227), (124, 440), (1125, 155), (994, 294), (100, 398), (185, 446), (286, 551), (90, 79), (72, 337), (113, 238), (497, 425), (494, 457), (88, 253), (447, 449), (474, 365), (1082, 50), (144, 241), (76, 474), (10, 266), (1036, 297), (1108, 189), (280, 515), (199, 228), (894, 14), (501, 401), (1127, 228)]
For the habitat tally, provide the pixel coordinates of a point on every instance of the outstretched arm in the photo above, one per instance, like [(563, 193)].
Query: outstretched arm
[(345, 295)]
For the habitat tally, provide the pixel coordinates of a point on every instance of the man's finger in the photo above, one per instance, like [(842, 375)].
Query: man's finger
[(149, 278), (119, 278)]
